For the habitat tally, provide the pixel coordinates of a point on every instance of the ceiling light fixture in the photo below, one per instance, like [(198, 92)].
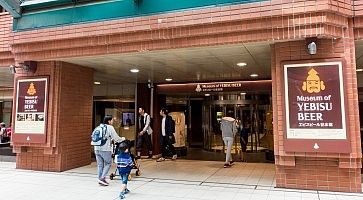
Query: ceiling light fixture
[(241, 64), (359, 70), (254, 75), (168, 79), (97, 83), (134, 70), (207, 95), (243, 93)]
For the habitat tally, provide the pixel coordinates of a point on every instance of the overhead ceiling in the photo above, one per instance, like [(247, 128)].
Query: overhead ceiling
[(359, 61), (182, 65)]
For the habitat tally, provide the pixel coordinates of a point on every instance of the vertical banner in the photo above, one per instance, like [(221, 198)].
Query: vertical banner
[(315, 108), (31, 110)]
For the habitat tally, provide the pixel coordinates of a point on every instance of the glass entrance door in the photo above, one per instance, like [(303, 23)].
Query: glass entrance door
[(249, 112)]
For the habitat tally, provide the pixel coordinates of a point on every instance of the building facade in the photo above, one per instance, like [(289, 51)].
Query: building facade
[(73, 45)]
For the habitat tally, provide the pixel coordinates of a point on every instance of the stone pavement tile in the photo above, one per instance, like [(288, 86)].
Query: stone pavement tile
[(293, 194), (242, 196), (257, 196), (275, 197), (312, 196), (197, 194), (327, 197)]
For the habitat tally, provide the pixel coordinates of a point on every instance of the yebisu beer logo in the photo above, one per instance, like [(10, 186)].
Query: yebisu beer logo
[(313, 84), (31, 89)]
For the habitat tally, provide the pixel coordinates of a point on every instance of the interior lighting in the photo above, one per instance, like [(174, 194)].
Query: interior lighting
[(134, 70), (359, 70), (168, 79), (241, 64), (207, 95), (243, 93), (254, 75), (97, 83)]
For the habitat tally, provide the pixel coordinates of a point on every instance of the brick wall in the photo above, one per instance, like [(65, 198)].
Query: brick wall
[(69, 120), (6, 57), (260, 21), (322, 171)]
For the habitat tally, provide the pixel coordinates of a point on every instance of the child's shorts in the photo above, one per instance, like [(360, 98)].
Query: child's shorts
[(124, 178)]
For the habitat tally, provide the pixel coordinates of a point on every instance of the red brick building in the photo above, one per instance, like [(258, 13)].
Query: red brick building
[(72, 43)]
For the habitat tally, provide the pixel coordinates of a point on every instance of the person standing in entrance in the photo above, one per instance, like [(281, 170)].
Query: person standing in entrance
[(144, 134), (244, 133), (167, 138), (2, 132), (229, 129), (104, 153)]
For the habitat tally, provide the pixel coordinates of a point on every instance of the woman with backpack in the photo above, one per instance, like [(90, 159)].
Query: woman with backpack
[(103, 151)]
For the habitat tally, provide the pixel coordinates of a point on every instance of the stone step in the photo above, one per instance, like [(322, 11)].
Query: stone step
[(7, 158), (6, 151)]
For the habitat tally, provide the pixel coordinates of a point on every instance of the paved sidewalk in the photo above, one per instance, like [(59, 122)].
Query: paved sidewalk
[(170, 180)]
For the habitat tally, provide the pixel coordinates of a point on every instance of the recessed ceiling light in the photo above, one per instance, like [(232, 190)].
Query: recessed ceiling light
[(168, 79), (359, 70), (134, 70), (254, 75), (243, 93), (97, 83), (207, 95), (241, 64)]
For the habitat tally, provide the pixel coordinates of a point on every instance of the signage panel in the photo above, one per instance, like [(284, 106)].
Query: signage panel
[(315, 106), (31, 110)]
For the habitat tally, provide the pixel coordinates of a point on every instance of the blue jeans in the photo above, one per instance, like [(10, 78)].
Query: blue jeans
[(228, 142), (104, 161)]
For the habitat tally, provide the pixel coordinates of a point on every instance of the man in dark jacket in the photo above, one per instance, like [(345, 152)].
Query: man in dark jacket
[(167, 138)]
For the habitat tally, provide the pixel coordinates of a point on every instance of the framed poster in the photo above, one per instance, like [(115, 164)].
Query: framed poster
[(31, 110), (315, 114)]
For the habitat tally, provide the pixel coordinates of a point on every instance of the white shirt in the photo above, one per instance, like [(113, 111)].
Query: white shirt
[(163, 126)]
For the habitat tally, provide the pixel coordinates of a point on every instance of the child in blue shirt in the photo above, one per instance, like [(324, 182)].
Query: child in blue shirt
[(124, 165)]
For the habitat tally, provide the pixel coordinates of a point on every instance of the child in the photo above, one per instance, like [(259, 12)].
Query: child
[(124, 165)]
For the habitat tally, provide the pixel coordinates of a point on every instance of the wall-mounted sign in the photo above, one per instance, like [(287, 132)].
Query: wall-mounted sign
[(315, 109), (31, 110), (260, 85)]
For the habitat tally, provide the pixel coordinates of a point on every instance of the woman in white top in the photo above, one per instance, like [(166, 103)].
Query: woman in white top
[(104, 153)]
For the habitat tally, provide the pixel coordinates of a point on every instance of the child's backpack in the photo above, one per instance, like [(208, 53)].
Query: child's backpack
[(98, 135)]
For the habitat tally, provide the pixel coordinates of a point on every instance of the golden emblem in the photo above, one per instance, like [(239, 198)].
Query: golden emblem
[(313, 82), (31, 89)]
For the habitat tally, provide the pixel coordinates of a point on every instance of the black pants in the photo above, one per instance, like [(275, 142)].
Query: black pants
[(141, 139), (167, 149), (244, 141)]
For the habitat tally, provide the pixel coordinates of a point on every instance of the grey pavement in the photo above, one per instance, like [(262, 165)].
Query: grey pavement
[(169, 180)]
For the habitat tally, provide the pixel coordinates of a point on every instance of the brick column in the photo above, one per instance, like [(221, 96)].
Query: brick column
[(318, 171), (69, 120)]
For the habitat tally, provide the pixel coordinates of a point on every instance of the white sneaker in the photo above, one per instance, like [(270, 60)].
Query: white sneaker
[(102, 182), (174, 157), (160, 159)]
